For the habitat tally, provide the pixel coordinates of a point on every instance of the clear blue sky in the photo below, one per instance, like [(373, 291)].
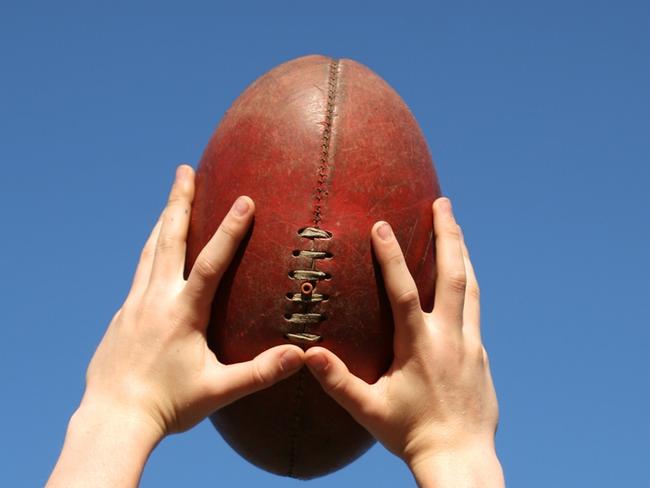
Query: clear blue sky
[(538, 117)]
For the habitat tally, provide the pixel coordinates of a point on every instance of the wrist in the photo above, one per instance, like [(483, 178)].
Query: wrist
[(97, 416), (469, 466), (105, 446)]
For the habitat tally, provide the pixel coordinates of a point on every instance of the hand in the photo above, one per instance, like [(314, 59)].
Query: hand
[(154, 360), (153, 373), (436, 404)]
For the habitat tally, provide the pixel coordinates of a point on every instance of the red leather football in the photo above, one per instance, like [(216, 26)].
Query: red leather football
[(325, 148)]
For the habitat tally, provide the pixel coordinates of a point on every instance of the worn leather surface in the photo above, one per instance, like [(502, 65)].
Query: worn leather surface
[(328, 145)]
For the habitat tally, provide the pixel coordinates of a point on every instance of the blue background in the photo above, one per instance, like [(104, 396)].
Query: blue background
[(537, 114)]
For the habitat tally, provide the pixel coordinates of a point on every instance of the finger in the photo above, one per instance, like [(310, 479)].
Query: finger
[(143, 270), (472, 307), (214, 258), (451, 278), (352, 393), (237, 380), (400, 286), (169, 258)]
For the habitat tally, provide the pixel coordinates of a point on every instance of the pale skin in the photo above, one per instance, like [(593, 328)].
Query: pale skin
[(153, 373)]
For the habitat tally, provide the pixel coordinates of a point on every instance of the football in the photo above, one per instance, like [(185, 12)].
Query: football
[(325, 148)]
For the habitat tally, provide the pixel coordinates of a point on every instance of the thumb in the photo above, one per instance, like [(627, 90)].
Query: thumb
[(267, 368), (350, 391)]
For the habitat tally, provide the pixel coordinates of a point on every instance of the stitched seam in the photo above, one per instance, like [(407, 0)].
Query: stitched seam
[(323, 165), (319, 194), (295, 427)]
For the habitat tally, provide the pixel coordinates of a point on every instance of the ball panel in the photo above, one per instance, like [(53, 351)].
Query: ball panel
[(382, 170), (306, 436)]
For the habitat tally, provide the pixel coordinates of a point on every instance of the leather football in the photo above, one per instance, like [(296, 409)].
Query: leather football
[(325, 148)]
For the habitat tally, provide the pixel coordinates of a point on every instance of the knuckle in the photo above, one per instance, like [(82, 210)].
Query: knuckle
[(230, 230), (338, 386), (451, 231), (147, 252), (206, 269), (408, 299), (211, 389), (474, 349), (180, 317), (259, 377), (153, 304), (457, 281), (176, 199), (179, 192), (177, 205), (396, 259), (474, 292), (167, 242), (370, 411), (484, 356)]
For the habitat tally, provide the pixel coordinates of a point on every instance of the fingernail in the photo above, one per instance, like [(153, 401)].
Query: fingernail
[(241, 206), (290, 361), (384, 231), (181, 173), (318, 363), (445, 205)]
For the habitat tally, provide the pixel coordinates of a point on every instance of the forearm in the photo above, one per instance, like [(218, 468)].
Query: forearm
[(104, 448), (478, 468)]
